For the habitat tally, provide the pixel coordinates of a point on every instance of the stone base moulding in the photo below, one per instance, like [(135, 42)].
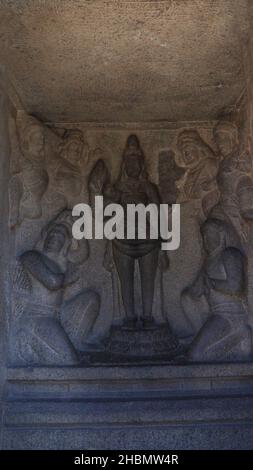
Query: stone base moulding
[(182, 407)]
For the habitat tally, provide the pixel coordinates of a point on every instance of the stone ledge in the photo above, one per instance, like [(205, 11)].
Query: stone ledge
[(87, 383), (192, 437), (182, 407)]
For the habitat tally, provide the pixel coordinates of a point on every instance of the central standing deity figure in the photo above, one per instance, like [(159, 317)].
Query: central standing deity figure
[(132, 187)]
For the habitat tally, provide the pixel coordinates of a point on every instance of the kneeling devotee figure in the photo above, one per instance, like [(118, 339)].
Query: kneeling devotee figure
[(47, 332), (226, 334)]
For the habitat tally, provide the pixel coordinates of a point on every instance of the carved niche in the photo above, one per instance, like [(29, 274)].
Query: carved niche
[(55, 312)]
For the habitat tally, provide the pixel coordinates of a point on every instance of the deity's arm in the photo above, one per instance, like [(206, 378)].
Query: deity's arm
[(42, 269)]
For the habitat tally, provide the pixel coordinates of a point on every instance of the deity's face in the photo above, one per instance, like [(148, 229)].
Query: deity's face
[(133, 167), (191, 155), (225, 142), (74, 151), (55, 240), (35, 142), (212, 238)]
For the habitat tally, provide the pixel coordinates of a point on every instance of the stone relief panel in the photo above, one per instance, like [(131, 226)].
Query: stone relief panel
[(124, 300)]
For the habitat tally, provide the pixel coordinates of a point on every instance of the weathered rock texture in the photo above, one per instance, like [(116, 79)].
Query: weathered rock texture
[(125, 60)]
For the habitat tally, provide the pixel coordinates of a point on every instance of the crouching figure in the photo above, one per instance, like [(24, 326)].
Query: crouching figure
[(225, 334), (51, 330)]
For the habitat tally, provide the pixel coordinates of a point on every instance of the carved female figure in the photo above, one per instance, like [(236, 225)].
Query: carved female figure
[(200, 163), (45, 272), (225, 335), (29, 185)]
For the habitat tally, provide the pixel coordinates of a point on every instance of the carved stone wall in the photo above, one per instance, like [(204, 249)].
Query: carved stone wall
[(55, 191), (56, 166), (71, 302)]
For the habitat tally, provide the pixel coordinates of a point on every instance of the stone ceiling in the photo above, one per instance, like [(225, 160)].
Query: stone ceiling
[(109, 61)]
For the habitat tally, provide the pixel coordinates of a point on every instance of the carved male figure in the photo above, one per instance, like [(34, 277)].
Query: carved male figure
[(132, 187)]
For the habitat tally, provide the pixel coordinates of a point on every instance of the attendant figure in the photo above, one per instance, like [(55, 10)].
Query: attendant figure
[(28, 186), (200, 164), (234, 180), (66, 178)]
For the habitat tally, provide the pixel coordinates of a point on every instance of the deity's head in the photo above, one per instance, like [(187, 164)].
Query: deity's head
[(32, 139), (57, 237), (226, 137), (72, 146), (192, 148), (133, 159)]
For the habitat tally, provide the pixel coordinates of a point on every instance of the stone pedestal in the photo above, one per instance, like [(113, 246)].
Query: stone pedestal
[(138, 345)]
